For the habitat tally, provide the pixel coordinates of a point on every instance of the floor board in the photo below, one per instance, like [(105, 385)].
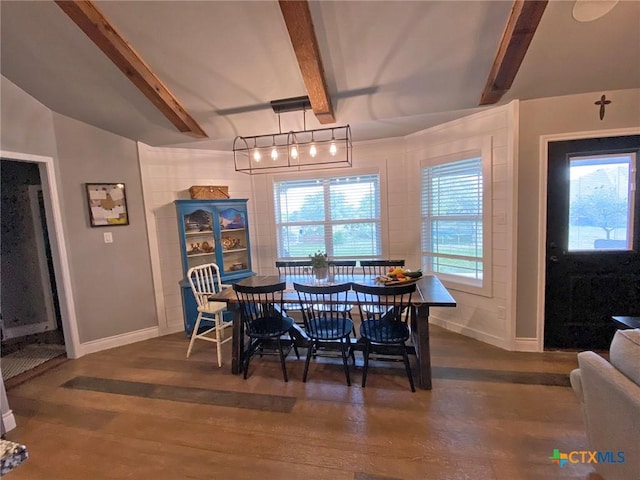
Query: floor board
[(145, 411)]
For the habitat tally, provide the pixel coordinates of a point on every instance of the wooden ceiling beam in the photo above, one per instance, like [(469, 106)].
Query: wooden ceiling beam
[(87, 16), (297, 17), (521, 26)]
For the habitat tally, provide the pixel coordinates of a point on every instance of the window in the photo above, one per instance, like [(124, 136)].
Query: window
[(601, 202), (453, 220), (339, 215)]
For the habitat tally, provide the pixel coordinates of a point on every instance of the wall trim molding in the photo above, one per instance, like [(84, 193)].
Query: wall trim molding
[(526, 344), (118, 340), (471, 332), (8, 421)]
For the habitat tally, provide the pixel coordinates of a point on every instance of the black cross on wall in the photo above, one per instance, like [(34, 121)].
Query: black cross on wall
[(602, 102)]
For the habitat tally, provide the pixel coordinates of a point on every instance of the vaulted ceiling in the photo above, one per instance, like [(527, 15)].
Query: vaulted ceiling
[(390, 67)]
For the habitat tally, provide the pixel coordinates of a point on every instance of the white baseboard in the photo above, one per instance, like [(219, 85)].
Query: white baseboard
[(524, 344), (174, 328), (8, 421), (117, 341), (470, 332)]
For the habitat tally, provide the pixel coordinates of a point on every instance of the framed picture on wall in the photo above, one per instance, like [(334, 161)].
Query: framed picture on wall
[(107, 204)]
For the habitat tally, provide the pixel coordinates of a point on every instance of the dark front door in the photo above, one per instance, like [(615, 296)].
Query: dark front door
[(592, 244)]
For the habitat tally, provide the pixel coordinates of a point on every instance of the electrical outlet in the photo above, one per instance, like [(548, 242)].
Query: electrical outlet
[(502, 312), (108, 237)]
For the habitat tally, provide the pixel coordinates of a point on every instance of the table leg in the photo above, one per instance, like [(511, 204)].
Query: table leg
[(237, 343), (420, 325)]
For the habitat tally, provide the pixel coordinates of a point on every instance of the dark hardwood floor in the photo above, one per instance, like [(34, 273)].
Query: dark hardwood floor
[(145, 411)]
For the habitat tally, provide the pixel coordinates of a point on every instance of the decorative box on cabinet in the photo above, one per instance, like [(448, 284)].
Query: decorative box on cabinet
[(212, 231)]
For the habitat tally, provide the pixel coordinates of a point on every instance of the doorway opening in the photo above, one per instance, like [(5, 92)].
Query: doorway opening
[(31, 327)]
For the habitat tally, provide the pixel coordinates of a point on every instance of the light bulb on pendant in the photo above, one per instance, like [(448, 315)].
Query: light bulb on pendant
[(256, 155), (313, 151), (274, 151), (333, 149), (294, 152)]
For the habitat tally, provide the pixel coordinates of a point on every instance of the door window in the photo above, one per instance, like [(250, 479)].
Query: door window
[(601, 202)]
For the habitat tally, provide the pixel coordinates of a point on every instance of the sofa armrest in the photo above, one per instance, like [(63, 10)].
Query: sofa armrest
[(612, 414), (576, 383)]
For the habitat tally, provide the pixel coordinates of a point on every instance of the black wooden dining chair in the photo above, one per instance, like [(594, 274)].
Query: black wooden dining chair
[(294, 268), (265, 322), (385, 312), (325, 320), (379, 267), (376, 268)]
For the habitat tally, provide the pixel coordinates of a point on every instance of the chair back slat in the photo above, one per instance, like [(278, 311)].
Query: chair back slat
[(204, 281), (294, 267), (379, 267), (341, 267)]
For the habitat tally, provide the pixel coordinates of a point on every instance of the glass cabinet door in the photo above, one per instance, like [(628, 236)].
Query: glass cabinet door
[(233, 238), (199, 241)]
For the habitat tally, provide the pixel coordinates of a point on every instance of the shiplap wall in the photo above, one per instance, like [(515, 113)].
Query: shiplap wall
[(487, 318), (167, 174)]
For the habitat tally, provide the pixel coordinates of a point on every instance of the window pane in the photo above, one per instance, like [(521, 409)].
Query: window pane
[(339, 215), (301, 201), (452, 225), (352, 239), (456, 266), (600, 208), (354, 198), (457, 237), (301, 240)]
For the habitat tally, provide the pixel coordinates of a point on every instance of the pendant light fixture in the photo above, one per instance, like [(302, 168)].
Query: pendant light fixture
[(294, 150)]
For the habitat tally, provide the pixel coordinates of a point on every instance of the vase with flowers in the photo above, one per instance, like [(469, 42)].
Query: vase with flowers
[(320, 264)]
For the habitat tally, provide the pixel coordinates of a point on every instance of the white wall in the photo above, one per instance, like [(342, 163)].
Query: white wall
[(487, 318)]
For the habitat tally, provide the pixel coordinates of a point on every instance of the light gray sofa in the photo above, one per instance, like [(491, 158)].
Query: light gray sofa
[(609, 393)]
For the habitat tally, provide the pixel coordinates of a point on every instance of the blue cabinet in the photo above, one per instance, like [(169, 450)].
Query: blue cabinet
[(212, 231)]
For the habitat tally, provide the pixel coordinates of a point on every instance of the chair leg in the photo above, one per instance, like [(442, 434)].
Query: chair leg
[(365, 368), (218, 323), (407, 367), (194, 334), (295, 347), (308, 361), (247, 357), (284, 367), (344, 352)]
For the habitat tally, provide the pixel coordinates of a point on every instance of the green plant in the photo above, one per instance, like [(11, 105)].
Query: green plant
[(319, 259)]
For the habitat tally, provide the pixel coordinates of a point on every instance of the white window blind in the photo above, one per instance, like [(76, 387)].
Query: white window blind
[(452, 208), (338, 215)]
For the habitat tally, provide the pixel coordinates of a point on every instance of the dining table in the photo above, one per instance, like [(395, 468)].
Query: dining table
[(430, 292)]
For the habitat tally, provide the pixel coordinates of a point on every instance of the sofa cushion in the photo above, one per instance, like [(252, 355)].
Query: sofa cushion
[(624, 353)]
